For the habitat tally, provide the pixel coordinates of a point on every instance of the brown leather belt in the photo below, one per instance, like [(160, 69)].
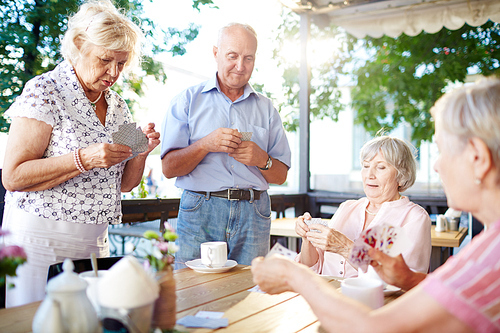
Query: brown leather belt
[(233, 194)]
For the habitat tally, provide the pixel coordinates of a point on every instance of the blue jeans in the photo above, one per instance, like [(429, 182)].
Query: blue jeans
[(244, 225)]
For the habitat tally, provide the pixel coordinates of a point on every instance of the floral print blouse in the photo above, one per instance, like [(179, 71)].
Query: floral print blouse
[(57, 98)]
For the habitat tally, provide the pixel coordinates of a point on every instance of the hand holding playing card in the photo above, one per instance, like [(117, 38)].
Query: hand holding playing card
[(329, 239), (135, 138), (315, 220), (249, 153), (246, 136), (385, 238), (153, 137)]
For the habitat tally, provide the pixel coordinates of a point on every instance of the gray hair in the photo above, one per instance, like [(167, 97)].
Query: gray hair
[(472, 111), (99, 23), (223, 30), (398, 154)]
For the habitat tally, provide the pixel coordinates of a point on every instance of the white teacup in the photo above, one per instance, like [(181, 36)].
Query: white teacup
[(214, 254), (367, 291), (370, 274), (92, 280)]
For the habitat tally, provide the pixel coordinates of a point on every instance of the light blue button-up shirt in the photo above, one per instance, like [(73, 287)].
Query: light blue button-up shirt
[(203, 108)]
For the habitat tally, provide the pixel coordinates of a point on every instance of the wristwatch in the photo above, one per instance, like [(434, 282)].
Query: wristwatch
[(269, 164)]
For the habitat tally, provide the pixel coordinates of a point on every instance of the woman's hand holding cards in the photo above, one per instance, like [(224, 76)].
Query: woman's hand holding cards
[(301, 227), (394, 271), (330, 240)]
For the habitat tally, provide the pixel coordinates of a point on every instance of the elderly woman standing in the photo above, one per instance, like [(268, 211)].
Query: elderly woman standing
[(388, 168), (463, 295), (63, 174)]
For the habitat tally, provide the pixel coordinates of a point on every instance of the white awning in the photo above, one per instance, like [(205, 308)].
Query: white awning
[(393, 17)]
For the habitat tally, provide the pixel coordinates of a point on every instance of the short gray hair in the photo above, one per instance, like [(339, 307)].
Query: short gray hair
[(472, 111), (235, 24), (398, 154), (99, 23)]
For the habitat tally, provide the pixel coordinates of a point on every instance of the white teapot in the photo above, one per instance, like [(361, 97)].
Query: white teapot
[(66, 307)]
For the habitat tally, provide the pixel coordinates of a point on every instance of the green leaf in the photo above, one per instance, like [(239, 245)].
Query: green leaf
[(30, 33)]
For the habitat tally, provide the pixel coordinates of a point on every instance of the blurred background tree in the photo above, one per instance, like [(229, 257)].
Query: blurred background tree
[(395, 79), (30, 32)]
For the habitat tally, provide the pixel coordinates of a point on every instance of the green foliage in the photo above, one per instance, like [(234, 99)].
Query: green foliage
[(30, 32), (407, 75), (399, 82), (325, 98), (141, 190)]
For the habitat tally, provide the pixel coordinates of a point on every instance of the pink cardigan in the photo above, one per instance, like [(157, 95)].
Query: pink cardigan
[(349, 219), (468, 284)]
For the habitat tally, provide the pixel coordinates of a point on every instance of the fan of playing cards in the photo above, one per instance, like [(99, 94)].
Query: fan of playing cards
[(385, 238), (132, 136), (316, 220)]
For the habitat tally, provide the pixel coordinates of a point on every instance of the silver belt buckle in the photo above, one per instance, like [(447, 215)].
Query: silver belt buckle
[(229, 192)]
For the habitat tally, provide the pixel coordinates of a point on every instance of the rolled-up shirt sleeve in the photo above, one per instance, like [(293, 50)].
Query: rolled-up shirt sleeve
[(175, 127)]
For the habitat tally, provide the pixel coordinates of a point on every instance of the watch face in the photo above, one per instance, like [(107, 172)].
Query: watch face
[(269, 163)]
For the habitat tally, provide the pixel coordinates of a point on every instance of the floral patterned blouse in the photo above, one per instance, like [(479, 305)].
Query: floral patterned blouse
[(57, 98)]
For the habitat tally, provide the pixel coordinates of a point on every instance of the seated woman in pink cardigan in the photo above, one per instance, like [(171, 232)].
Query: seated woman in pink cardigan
[(388, 168)]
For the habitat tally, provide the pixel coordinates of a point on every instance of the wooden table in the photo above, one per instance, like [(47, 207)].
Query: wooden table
[(225, 292), (442, 242)]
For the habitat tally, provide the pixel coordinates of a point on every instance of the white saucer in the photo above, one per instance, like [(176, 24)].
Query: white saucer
[(390, 289), (197, 266)]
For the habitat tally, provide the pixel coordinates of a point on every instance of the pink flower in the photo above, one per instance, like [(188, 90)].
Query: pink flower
[(12, 251), (163, 246), (168, 227)]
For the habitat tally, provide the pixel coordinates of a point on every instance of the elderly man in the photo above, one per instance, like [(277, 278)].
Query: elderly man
[(225, 143)]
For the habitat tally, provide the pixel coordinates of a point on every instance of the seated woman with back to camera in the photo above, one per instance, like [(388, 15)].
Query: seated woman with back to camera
[(388, 168)]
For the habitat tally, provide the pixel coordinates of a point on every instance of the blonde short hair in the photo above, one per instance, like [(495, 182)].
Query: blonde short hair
[(398, 154), (472, 111), (99, 23)]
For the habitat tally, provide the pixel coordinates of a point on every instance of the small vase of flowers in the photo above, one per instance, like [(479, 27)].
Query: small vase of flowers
[(160, 260)]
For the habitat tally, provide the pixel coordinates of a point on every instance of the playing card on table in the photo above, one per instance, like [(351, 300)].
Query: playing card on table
[(130, 135), (246, 136), (280, 249)]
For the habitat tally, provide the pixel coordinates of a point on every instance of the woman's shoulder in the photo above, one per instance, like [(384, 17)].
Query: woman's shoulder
[(415, 210), (40, 82), (354, 202), (416, 207)]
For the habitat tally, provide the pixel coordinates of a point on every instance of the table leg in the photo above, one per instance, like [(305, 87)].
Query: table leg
[(439, 255)]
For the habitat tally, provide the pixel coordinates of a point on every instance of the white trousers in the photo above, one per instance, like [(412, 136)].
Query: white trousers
[(47, 242)]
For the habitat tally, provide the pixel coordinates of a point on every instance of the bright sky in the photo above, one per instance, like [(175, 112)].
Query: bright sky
[(262, 15)]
